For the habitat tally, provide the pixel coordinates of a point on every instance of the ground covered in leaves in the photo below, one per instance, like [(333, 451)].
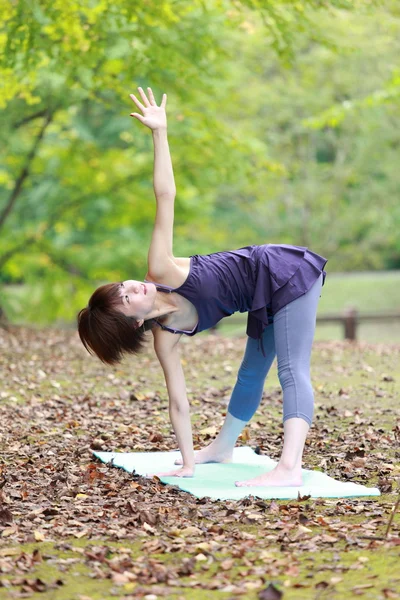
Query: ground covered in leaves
[(73, 528)]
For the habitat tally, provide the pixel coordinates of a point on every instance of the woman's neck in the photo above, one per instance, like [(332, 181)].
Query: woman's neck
[(164, 305)]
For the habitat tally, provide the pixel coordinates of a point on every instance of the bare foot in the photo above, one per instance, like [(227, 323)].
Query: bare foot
[(209, 455), (276, 477)]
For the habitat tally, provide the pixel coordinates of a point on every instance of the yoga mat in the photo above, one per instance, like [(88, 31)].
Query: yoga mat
[(217, 481)]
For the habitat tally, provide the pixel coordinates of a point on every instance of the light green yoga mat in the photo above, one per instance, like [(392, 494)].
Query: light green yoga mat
[(217, 481)]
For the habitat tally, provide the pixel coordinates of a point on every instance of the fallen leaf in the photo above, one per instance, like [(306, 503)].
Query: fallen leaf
[(8, 531), (39, 535)]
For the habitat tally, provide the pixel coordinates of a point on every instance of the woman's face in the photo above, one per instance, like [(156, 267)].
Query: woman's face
[(138, 298)]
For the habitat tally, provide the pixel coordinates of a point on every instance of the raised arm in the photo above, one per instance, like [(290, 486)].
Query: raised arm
[(160, 253)]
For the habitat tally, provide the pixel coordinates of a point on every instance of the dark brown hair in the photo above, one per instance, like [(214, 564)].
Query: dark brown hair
[(105, 331)]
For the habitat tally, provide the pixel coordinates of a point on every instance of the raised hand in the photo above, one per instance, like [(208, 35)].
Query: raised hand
[(153, 116)]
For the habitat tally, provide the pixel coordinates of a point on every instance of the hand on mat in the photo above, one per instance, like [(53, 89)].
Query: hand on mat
[(153, 116), (183, 472)]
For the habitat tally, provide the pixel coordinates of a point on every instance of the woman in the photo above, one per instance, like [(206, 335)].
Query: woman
[(278, 285)]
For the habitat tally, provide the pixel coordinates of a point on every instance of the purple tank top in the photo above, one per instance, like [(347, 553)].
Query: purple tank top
[(259, 280)]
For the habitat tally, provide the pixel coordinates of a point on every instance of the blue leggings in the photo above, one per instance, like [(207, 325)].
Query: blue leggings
[(290, 338)]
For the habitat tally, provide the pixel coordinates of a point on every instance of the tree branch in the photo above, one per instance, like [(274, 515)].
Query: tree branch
[(24, 172), (10, 253), (80, 199), (60, 261), (25, 120), (54, 218)]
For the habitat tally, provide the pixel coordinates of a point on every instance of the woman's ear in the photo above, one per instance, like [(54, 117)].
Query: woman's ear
[(139, 323)]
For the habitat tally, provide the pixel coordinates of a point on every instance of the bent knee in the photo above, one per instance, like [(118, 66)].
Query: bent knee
[(251, 372), (294, 376)]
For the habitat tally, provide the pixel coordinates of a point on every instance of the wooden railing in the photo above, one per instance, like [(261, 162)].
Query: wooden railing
[(349, 318)]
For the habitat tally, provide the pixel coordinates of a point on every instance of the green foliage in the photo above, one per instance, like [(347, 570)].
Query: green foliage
[(281, 123)]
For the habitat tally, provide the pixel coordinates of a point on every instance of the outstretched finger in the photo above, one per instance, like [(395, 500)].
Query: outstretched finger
[(164, 100), (139, 117), (144, 97), (151, 96), (137, 102)]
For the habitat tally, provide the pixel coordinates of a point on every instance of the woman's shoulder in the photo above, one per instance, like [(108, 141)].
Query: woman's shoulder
[(172, 274)]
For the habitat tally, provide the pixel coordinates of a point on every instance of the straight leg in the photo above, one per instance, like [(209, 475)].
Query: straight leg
[(245, 399), (294, 327), (247, 393)]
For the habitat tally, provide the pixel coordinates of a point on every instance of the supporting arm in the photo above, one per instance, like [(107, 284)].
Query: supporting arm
[(167, 353)]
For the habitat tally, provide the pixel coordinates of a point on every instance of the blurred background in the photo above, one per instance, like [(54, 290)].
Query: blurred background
[(283, 123)]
